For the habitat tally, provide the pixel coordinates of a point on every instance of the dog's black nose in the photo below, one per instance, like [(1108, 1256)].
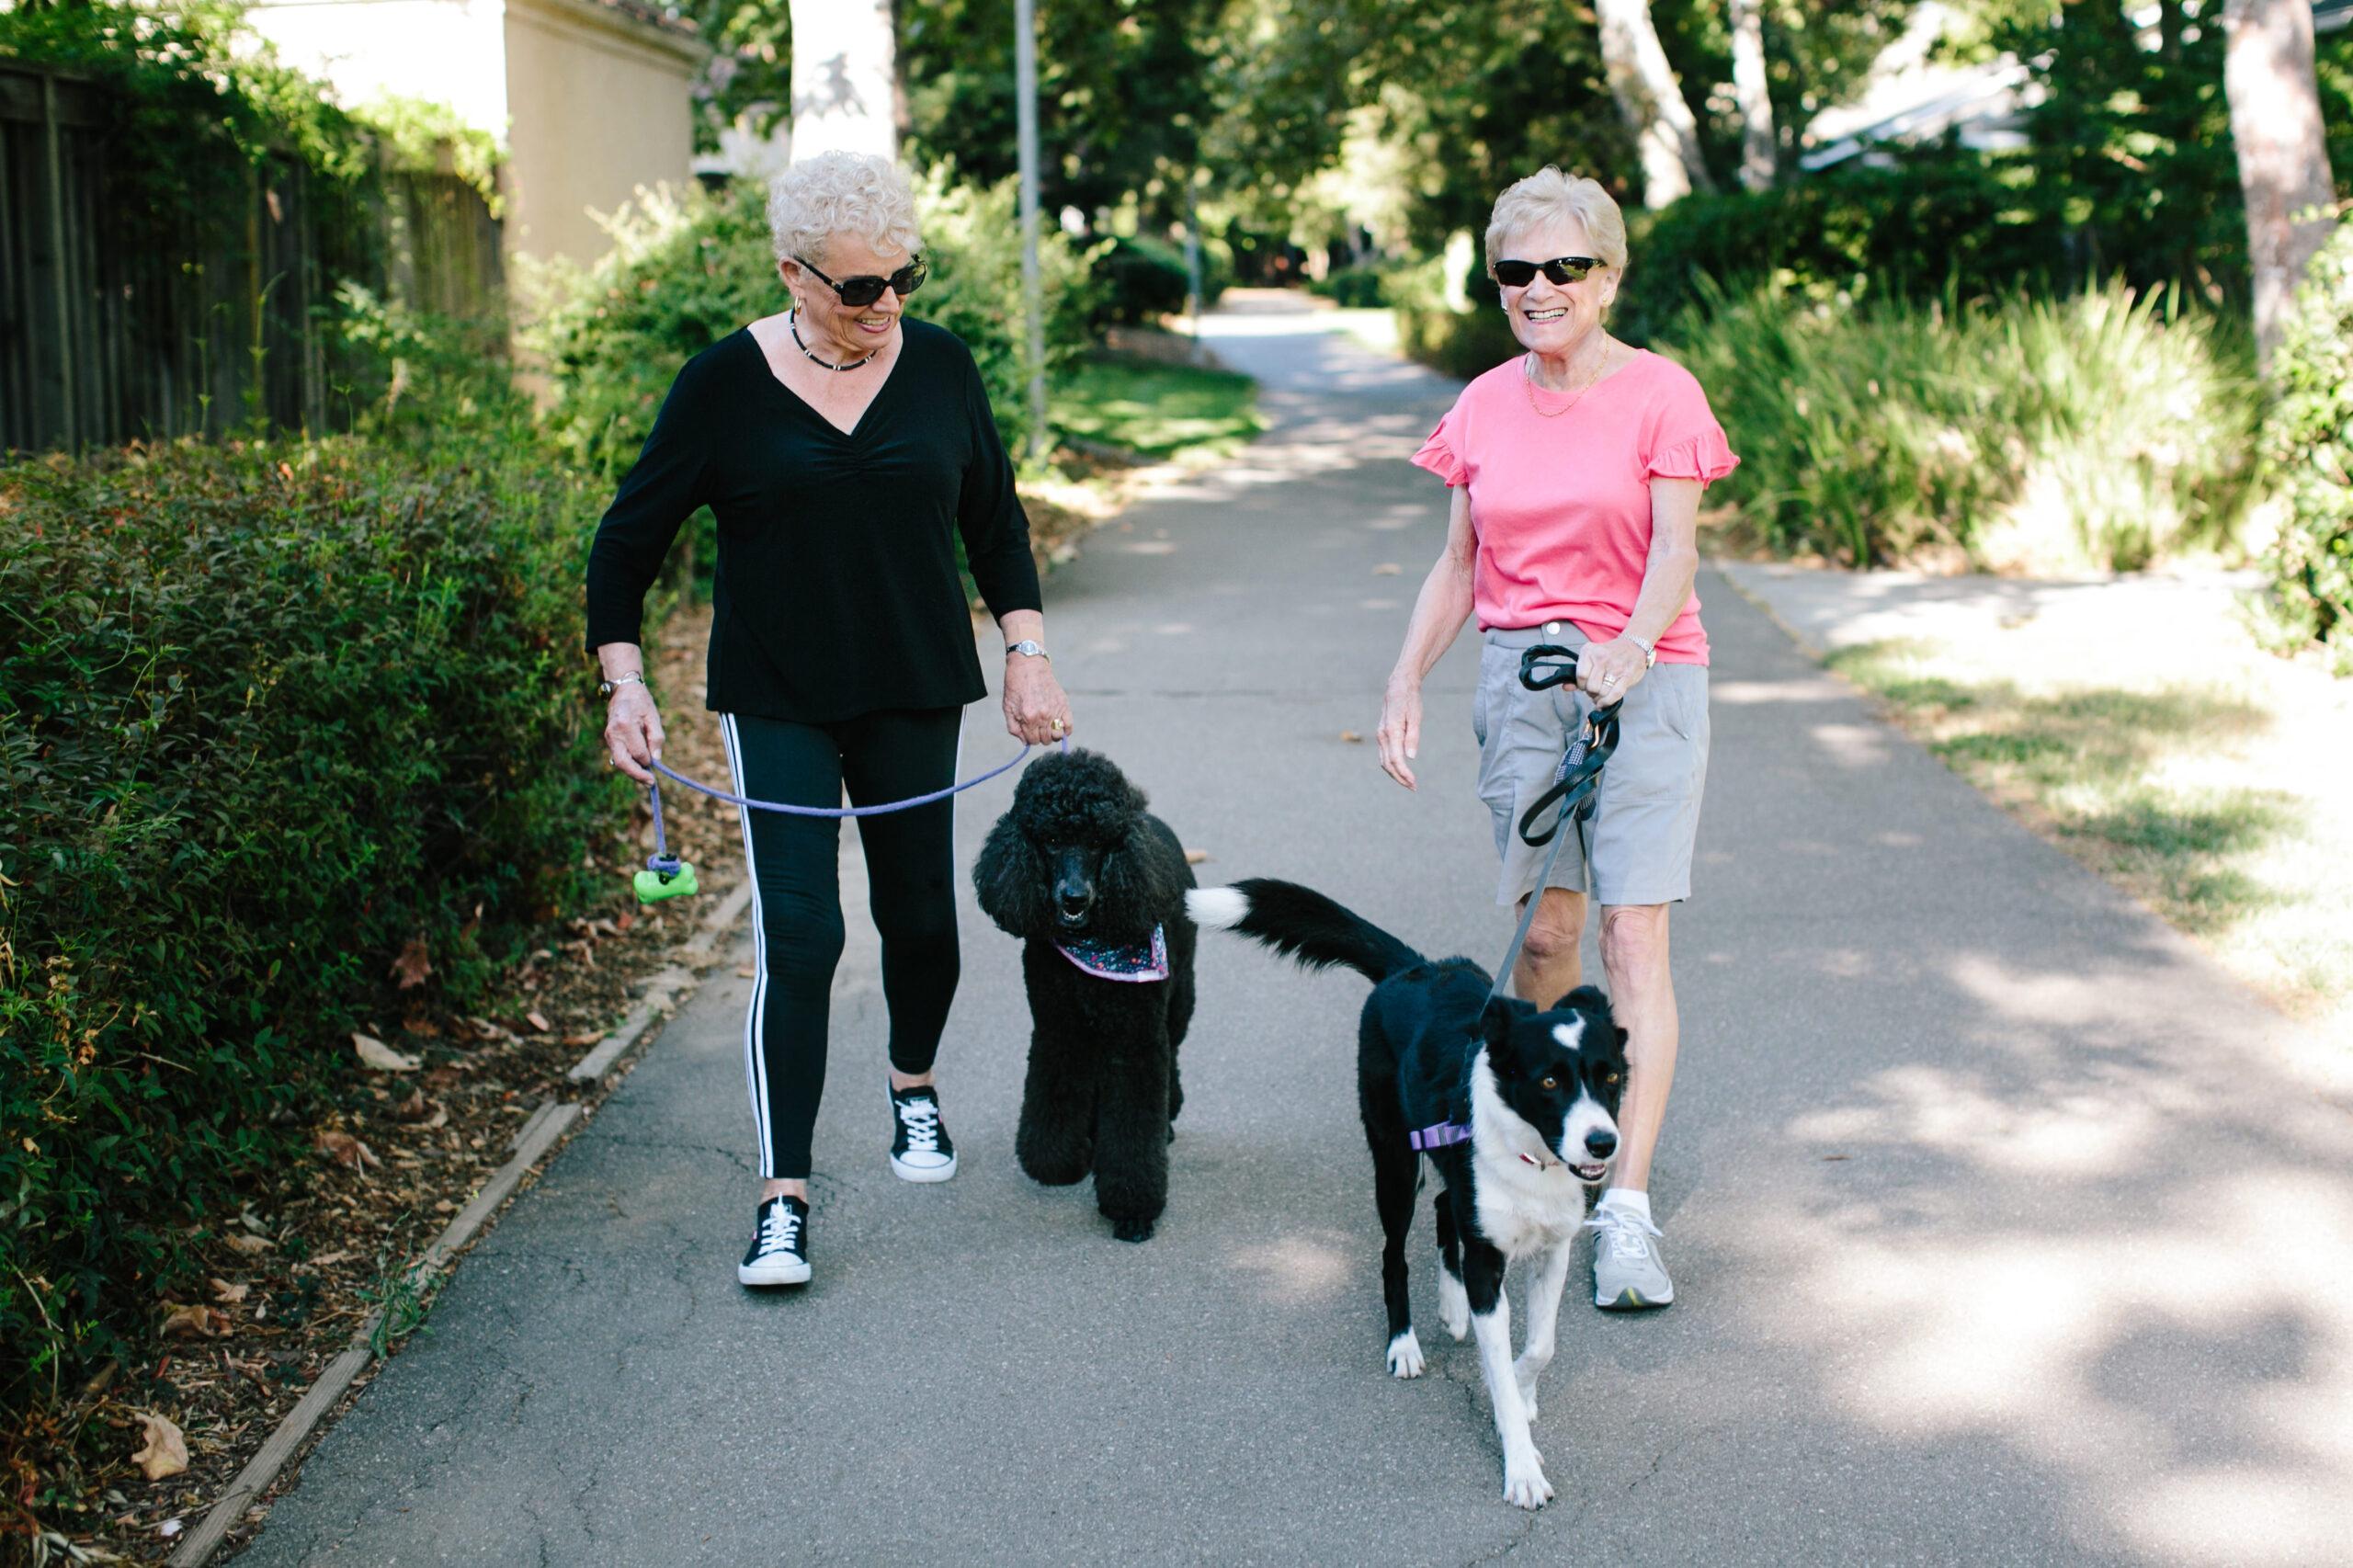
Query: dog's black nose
[(1600, 1143)]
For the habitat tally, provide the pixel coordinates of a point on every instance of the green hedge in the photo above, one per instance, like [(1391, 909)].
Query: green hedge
[(2098, 432), (1139, 278), (2308, 444), (268, 713)]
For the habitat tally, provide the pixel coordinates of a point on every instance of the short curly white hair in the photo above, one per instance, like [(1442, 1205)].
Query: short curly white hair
[(1548, 194), (842, 193)]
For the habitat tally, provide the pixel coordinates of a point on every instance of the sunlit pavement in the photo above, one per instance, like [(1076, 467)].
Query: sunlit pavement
[(2004, 1229)]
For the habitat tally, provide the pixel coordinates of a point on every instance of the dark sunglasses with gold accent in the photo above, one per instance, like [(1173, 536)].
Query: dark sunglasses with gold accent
[(1561, 271), (865, 289)]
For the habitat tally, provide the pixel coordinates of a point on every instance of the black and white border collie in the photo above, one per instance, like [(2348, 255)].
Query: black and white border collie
[(1516, 1106)]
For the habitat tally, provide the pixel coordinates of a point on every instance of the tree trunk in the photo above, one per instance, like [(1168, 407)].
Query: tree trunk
[(1664, 133), (2283, 154), (1756, 140), (844, 72)]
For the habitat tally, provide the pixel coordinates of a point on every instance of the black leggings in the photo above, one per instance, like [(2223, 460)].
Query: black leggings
[(797, 904)]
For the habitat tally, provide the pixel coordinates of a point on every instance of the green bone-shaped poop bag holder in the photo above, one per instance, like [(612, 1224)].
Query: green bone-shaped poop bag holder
[(672, 879)]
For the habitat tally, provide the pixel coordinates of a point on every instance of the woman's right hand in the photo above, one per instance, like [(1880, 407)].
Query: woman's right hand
[(1400, 729), (633, 731)]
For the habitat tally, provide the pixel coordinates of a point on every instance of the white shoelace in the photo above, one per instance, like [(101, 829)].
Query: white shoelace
[(780, 1230), (921, 1118), (1627, 1236)]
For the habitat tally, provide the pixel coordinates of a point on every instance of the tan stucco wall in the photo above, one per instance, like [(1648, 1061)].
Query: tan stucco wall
[(597, 105)]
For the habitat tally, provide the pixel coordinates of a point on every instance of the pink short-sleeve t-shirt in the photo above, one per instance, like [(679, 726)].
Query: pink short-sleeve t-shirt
[(1561, 491)]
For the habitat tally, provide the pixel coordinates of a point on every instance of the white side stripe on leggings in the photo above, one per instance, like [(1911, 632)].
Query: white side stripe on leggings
[(755, 1075)]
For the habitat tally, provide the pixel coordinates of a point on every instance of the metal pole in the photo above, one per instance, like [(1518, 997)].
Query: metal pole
[(1193, 266), (1025, 84)]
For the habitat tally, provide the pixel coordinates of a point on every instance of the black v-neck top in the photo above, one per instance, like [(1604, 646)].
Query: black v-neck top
[(836, 591)]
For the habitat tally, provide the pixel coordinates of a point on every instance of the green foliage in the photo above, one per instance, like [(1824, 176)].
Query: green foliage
[(685, 272), (748, 79), (1124, 93), (1358, 287), (268, 713), (416, 133), (2308, 445), (1942, 221), (1140, 278), (2098, 431)]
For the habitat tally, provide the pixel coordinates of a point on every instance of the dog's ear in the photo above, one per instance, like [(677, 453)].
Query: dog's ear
[(1141, 882), (1010, 878), (1495, 1026), (1585, 997)]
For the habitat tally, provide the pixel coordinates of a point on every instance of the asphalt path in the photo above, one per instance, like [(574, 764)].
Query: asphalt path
[(2003, 1229)]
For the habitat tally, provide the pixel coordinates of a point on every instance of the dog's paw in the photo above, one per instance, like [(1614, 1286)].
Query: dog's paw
[(1132, 1229), (1453, 1305), (1405, 1356), (1524, 1482)]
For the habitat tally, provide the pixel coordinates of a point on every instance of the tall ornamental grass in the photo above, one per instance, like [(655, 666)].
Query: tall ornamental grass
[(2099, 432)]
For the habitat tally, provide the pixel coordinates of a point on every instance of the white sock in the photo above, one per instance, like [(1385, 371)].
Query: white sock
[(1629, 1201)]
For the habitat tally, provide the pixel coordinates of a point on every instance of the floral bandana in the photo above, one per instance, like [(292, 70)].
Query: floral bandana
[(1109, 960)]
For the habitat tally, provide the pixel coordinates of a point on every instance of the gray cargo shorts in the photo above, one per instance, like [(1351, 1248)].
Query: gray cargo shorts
[(1648, 812)]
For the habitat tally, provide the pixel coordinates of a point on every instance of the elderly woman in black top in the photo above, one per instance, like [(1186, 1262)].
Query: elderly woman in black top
[(842, 448)]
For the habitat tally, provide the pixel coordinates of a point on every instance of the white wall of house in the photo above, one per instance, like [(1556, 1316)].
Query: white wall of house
[(590, 100)]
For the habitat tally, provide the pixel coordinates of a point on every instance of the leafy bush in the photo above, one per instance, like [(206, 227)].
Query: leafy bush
[(1139, 280), (1939, 222), (268, 715), (1363, 288), (2308, 444), (685, 272), (2096, 432)]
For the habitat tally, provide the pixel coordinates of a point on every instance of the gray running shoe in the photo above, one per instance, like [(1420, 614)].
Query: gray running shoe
[(1628, 1275)]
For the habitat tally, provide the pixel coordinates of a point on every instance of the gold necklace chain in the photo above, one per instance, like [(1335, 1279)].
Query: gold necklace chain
[(1528, 375)]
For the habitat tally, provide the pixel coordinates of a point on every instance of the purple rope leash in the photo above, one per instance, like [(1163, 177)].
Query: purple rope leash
[(663, 861)]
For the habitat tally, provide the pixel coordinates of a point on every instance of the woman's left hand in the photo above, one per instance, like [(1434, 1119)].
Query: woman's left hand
[(1036, 712), (1607, 671)]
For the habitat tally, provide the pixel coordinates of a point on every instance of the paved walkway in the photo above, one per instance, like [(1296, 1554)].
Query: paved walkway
[(2002, 1233)]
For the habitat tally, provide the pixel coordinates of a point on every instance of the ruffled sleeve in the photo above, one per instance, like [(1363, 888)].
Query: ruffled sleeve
[(1441, 453), (1706, 457)]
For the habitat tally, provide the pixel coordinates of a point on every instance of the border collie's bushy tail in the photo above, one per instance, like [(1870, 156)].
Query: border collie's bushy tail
[(1302, 924)]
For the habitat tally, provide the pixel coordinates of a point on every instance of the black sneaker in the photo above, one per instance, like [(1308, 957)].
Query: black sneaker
[(922, 1150), (779, 1250)]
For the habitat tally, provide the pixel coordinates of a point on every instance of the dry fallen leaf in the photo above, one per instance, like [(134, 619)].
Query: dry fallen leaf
[(1387, 569), (443, 1206), (1351, 737), (623, 921), (411, 1109), (198, 1319), (412, 966), (166, 1454), (537, 1022), (374, 1053), (422, 1026), (582, 1039), (252, 1246), (440, 1117), (325, 1258), (747, 971), (345, 1150), (225, 1291), (1195, 856)]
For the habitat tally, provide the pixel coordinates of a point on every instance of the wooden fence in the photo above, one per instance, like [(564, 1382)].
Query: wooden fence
[(105, 339)]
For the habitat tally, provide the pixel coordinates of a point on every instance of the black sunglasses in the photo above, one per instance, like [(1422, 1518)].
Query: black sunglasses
[(866, 288), (1561, 271)]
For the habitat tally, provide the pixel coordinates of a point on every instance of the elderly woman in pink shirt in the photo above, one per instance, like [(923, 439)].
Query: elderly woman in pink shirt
[(1576, 472)]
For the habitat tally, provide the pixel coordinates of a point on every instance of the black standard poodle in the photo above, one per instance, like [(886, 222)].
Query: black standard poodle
[(1095, 885)]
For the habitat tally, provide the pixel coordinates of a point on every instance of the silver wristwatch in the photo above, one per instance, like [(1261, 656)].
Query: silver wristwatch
[(1029, 646), (1650, 653), (606, 687)]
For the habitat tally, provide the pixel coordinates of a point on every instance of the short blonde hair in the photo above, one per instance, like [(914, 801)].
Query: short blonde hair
[(1549, 194), (841, 193)]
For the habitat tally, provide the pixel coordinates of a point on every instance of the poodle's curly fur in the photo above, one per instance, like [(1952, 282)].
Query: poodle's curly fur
[(1102, 1088)]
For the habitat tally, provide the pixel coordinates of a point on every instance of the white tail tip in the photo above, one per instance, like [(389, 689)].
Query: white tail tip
[(1220, 909)]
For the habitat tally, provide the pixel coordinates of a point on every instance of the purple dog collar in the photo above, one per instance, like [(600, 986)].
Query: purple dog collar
[(1439, 1137), (1108, 961)]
